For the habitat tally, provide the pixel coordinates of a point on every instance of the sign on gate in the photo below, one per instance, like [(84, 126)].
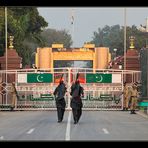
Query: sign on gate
[(35, 78), (103, 78), (39, 78)]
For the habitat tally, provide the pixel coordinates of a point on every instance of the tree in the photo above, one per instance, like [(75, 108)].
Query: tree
[(113, 37), (52, 36), (25, 24), (144, 71), (2, 30)]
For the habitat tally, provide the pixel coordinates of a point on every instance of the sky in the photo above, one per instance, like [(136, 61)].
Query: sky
[(88, 19)]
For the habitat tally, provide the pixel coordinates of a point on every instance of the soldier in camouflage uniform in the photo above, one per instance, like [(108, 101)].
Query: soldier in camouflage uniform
[(13, 95), (125, 97), (134, 98)]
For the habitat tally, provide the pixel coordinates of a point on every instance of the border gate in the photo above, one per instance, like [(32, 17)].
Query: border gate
[(102, 87)]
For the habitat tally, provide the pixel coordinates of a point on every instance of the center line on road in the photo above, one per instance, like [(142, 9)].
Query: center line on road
[(67, 136), (105, 131), (30, 131)]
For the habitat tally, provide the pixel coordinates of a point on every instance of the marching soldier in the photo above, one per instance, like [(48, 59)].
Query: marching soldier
[(60, 100), (134, 95), (125, 97), (77, 92), (14, 96)]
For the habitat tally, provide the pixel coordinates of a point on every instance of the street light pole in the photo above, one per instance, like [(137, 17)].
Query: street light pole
[(6, 45), (124, 42), (6, 35), (115, 50), (72, 24)]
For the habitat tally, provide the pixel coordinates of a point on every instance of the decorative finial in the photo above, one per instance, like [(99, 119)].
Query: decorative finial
[(11, 38), (132, 40)]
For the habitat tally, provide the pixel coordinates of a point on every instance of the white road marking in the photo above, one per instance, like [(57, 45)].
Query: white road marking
[(30, 131), (1, 138), (105, 131), (67, 136)]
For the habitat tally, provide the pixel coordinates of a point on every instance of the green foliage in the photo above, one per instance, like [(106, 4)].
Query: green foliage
[(25, 24), (113, 37), (143, 66), (52, 36)]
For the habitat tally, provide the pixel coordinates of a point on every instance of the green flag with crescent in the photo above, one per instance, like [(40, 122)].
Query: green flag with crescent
[(98, 78), (39, 78)]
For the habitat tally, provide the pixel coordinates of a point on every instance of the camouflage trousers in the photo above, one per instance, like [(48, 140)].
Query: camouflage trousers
[(133, 103), (125, 102)]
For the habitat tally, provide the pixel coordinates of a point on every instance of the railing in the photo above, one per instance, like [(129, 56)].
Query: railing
[(38, 95)]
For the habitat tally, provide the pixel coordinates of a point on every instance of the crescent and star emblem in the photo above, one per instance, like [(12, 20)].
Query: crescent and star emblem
[(39, 78), (99, 78)]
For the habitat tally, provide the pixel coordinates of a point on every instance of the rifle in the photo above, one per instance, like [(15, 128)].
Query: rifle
[(75, 88), (77, 76), (61, 77)]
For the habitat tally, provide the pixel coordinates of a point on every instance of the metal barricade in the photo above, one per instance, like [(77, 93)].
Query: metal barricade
[(38, 95)]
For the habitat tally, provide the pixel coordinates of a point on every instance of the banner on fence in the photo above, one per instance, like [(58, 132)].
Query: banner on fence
[(35, 78)]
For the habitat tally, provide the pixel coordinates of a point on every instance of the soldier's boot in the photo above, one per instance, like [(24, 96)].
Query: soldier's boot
[(75, 120), (123, 109), (59, 120), (126, 109), (131, 112), (134, 112), (12, 108)]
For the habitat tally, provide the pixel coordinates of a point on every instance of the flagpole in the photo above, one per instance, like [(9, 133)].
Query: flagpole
[(73, 34), (124, 42), (6, 45), (72, 23)]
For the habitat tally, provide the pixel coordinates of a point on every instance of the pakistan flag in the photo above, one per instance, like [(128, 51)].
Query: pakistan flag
[(39, 78), (35, 78), (103, 78)]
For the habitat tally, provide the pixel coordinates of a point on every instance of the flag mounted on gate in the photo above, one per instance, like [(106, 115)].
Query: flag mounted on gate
[(103, 78), (35, 78)]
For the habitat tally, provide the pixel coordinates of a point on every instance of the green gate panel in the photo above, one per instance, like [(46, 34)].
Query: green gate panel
[(143, 103), (98, 78), (39, 78)]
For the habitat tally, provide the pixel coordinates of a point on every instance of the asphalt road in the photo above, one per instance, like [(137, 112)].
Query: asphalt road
[(93, 126)]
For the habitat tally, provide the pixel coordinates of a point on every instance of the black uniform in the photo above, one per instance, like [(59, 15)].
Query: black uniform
[(76, 102), (60, 100)]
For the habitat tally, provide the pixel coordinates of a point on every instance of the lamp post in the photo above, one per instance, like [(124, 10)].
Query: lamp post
[(6, 46), (72, 24), (125, 42), (115, 50), (6, 37), (120, 66), (33, 59)]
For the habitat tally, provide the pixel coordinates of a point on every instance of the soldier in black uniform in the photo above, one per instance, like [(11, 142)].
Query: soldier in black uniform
[(60, 100), (76, 102)]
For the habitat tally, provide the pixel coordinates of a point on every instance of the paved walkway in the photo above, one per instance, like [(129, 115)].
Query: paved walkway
[(142, 114)]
